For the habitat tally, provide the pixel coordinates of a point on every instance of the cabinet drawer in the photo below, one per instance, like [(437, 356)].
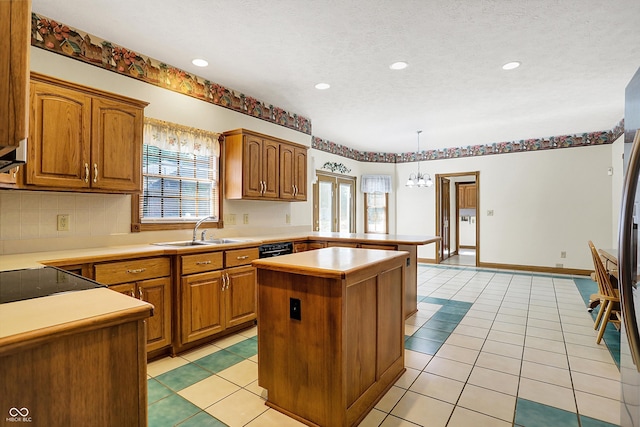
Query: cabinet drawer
[(131, 271), (201, 262), (237, 257)]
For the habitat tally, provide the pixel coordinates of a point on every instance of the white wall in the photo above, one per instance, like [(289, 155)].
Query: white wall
[(544, 202)]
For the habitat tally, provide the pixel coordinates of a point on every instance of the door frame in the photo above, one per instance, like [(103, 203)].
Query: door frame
[(445, 206), (438, 182)]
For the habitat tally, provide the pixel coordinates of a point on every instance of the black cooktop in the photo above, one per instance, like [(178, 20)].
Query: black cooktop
[(18, 285)]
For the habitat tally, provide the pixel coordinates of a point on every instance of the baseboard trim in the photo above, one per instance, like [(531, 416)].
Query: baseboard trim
[(518, 267), (536, 268)]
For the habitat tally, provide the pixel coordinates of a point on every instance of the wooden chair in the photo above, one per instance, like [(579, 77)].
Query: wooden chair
[(608, 296)]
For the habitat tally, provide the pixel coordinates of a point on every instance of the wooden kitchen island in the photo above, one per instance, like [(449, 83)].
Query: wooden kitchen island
[(330, 331), (74, 359)]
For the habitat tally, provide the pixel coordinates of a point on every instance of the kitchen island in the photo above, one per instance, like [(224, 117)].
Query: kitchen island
[(73, 358), (330, 331)]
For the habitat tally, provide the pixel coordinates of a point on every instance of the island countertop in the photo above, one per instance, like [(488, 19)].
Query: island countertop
[(37, 318), (334, 262)]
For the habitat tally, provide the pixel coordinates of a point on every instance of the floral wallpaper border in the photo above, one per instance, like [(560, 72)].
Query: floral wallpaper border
[(57, 37), (523, 145)]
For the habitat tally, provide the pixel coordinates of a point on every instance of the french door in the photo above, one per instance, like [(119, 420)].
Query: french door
[(334, 203)]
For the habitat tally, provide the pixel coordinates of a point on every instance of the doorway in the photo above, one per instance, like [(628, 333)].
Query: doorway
[(457, 216)]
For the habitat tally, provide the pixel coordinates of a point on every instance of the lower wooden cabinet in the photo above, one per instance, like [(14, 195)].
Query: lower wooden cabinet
[(213, 301), (148, 280)]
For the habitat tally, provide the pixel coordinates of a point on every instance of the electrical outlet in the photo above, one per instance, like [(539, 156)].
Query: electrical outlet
[(559, 265), (287, 219), (63, 222), (295, 309), (563, 254), (245, 218), (490, 212), (231, 219)]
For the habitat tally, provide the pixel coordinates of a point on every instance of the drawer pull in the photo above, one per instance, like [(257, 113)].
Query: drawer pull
[(136, 271), (242, 257), (203, 262)]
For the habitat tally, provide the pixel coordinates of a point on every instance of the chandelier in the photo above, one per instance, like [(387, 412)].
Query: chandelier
[(419, 179)]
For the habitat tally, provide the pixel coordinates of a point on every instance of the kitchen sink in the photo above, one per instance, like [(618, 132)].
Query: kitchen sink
[(201, 242)]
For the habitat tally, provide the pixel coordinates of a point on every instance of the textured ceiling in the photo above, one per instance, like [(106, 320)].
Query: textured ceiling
[(577, 57)]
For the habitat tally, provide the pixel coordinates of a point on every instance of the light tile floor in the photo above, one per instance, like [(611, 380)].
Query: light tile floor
[(486, 348)]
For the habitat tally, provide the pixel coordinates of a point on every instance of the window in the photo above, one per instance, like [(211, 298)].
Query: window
[(334, 203), (375, 210), (180, 177), (376, 190)]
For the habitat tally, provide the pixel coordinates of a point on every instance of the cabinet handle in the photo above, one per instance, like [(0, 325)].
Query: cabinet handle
[(262, 187), (86, 172), (140, 293), (15, 171), (203, 262), (224, 284), (136, 271), (228, 280), (95, 172), (242, 257)]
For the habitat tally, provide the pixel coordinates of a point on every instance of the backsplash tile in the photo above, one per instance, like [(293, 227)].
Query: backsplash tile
[(26, 215)]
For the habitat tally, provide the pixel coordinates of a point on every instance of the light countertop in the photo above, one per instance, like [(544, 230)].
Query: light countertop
[(37, 259), (333, 262), (36, 318)]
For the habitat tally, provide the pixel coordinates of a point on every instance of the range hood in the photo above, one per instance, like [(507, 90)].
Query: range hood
[(14, 157)]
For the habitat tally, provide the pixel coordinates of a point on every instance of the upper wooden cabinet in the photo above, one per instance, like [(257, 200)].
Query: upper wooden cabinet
[(82, 139), (15, 25), (262, 167), (467, 196), (293, 172)]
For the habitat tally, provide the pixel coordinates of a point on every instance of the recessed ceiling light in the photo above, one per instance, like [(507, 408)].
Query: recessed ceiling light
[(323, 86), (400, 65), (198, 62), (511, 65)]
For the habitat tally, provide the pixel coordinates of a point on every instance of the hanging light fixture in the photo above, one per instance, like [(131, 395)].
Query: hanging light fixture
[(419, 179)]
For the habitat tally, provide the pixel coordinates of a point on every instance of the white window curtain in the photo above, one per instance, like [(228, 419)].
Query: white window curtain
[(181, 139), (375, 183)]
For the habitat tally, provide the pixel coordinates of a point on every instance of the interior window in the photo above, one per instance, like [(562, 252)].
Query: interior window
[(180, 177)]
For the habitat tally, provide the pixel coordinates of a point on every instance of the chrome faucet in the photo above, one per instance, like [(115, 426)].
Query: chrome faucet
[(195, 229)]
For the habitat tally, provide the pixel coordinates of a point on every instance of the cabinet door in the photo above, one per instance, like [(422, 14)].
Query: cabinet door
[(116, 146), (240, 295), (287, 172), (300, 173), (462, 201), (252, 185), (15, 26), (271, 168), (128, 289), (158, 293), (59, 137), (470, 196), (201, 310)]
